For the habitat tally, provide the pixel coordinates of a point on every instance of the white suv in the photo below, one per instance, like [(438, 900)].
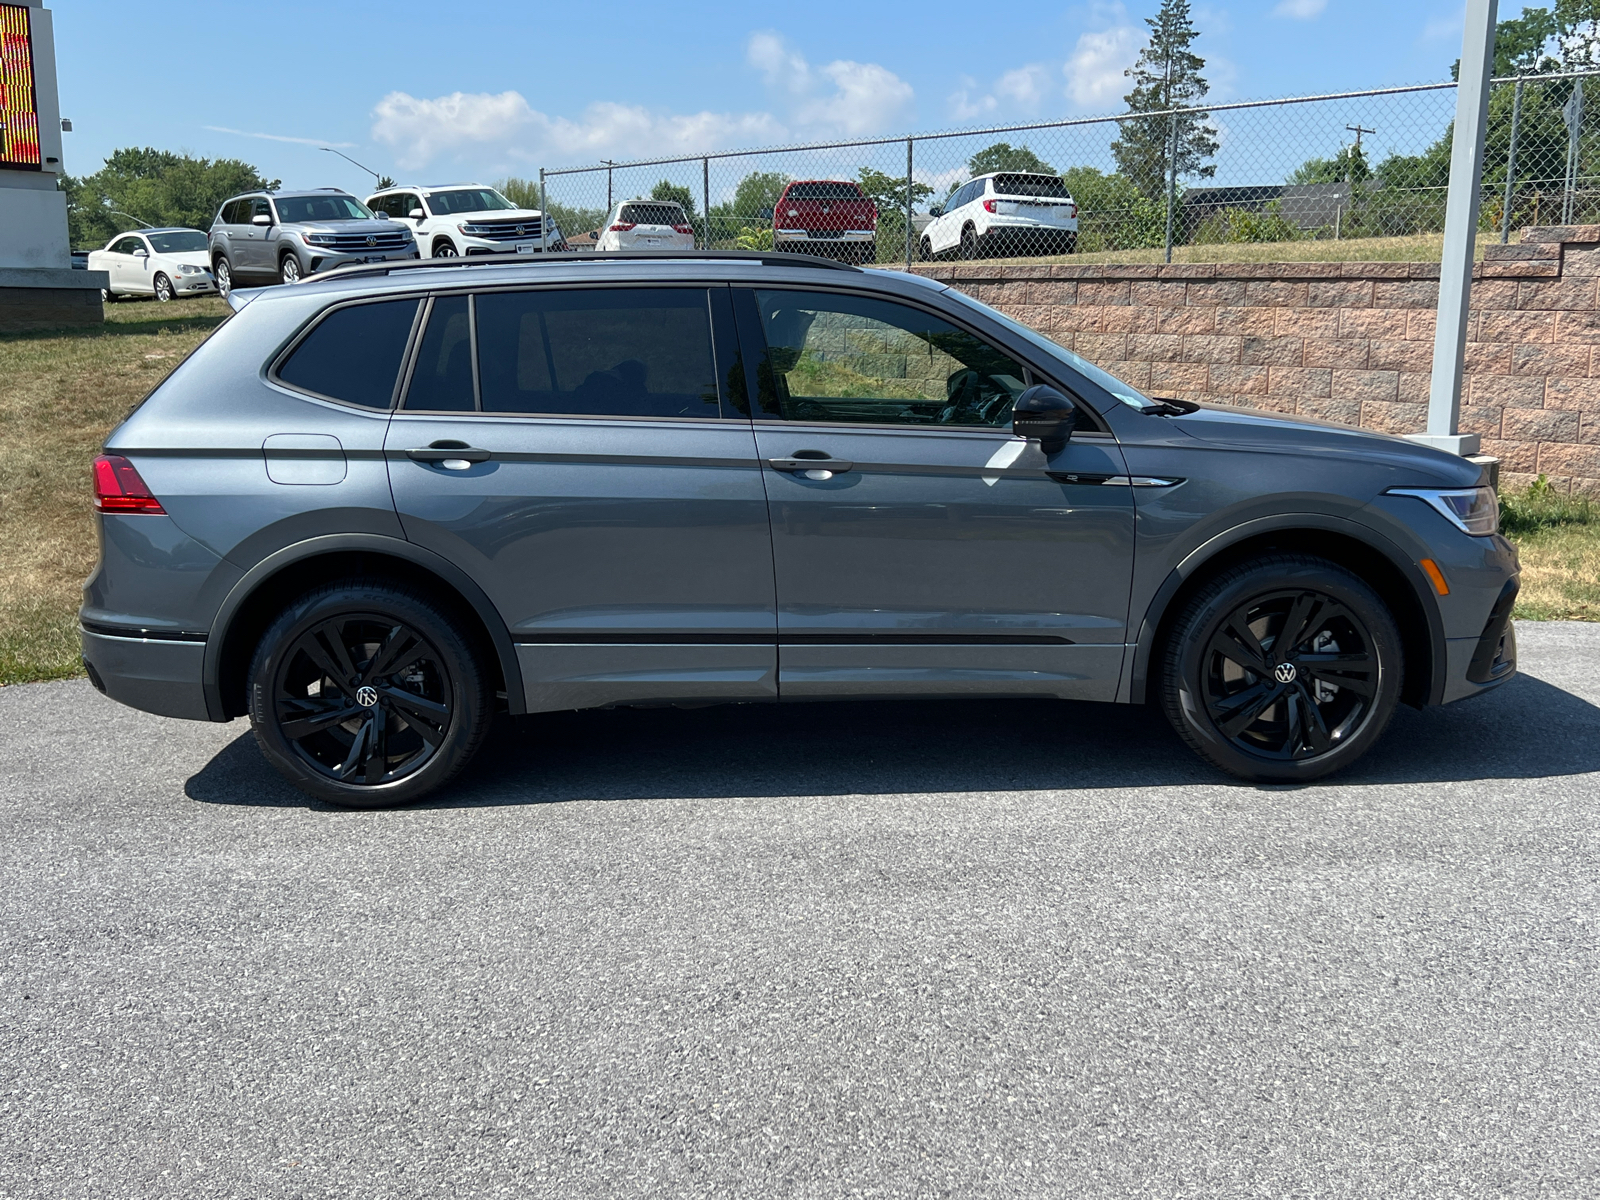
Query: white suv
[(647, 225), (1004, 214), (467, 219)]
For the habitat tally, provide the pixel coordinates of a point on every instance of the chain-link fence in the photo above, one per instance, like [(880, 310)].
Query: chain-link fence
[(1278, 178)]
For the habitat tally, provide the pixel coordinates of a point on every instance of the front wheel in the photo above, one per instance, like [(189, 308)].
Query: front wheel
[(366, 694), (289, 269), (1284, 669), (444, 249), (164, 290)]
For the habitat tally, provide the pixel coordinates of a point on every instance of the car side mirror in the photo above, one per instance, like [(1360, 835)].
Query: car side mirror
[(416, 214), (936, 211), (141, 252), (261, 219), (1044, 415)]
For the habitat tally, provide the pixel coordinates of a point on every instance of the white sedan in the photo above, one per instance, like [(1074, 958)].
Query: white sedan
[(164, 263), (647, 225)]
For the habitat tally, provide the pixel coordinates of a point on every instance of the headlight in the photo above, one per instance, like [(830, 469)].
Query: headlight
[(317, 239), (1473, 510)]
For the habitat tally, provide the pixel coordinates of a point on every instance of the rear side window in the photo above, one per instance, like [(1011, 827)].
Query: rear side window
[(637, 352), (441, 380), (353, 354)]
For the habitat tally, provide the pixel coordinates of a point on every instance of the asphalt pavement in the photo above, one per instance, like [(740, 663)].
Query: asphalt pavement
[(877, 950)]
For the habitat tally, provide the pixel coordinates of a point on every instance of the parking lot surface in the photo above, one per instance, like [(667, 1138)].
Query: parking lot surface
[(922, 949)]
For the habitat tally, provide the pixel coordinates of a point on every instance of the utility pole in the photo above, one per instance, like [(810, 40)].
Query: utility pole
[(1172, 151), (610, 166), (1460, 232), (1358, 129)]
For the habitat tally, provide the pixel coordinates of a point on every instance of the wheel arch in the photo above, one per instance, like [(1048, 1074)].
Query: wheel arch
[(1392, 573), (261, 594), (441, 239)]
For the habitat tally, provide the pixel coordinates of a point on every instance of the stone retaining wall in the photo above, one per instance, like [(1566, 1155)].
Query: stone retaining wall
[(1348, 342)]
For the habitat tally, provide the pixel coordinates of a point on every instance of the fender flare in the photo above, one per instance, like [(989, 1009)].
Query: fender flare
[(1204, 553), (505, 650)]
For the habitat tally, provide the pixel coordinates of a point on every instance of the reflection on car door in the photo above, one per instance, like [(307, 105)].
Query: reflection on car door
[(581, 453), (936, 553)]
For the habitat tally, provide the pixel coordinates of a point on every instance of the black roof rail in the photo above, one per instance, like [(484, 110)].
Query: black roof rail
[(503, 258)]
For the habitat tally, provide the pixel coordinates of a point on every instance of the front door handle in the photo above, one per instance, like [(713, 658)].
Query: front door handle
[(812, 464), (453, 456)]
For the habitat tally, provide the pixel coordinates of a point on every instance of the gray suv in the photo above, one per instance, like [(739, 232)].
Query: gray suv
[(374, 509), (281, 237)]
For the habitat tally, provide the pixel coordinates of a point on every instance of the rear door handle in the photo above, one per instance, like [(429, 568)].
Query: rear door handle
[(449, 455), (812, 468)]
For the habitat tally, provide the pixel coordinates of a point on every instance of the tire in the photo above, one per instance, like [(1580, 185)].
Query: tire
[(1286, 721), (222, 271), (866, 253), (969, 243), (163, 288), (1072, 243), (925, 250), (289, 269), (445, 248), (107, 296), (425, 724)]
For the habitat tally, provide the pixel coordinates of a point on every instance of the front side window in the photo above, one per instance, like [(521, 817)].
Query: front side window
[(258, 208), (127, 245), (618, 352), (858, 359), (353, 354), (183, 241), (294, 210), (468, 200)]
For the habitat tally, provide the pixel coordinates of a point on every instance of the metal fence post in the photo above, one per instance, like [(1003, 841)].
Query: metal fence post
[(1172, 176), (1574, 120), (908, 203), (1511, 165), (1460, 232), (705, 183), (544, 217)]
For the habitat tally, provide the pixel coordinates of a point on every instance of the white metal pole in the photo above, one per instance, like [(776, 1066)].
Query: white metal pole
[(1460, 232)]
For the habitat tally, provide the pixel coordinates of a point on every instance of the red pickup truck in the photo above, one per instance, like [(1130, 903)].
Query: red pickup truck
[(829, 217)]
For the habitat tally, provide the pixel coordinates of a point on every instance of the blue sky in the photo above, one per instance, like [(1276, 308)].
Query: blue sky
[(439, 91)]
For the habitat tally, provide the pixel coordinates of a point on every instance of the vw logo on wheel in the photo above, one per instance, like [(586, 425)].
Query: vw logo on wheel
[(368, 696), (1284, 673)]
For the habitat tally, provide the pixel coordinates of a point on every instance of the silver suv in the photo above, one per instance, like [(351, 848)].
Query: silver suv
[(374, 509), (281, 237)]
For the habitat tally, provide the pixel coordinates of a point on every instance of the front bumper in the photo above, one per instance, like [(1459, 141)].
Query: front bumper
[(194, 285), (323, 259), (153, 674)]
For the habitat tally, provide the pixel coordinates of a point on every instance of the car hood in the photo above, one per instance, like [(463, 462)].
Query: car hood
[(1273, 433), (191, 258), (496, 214)]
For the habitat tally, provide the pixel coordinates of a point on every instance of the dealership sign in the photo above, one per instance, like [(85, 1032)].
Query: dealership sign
[(19, 109)]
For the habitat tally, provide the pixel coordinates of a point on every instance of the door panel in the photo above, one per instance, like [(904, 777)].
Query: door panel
[(629, 555)]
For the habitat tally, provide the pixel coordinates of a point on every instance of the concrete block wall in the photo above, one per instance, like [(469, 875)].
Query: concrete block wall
[(1346, 342)]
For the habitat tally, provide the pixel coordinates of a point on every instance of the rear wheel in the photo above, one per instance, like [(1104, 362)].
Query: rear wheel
[(925, 250), (107, 296), (1282, 670), (222, 269), (163, 287), (969, 242), (366, 695)]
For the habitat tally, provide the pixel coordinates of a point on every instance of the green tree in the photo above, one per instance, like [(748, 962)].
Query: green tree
[(1113, 214), (888, 192), (385, 181), (157, 187), (570, 219), (758, 193), (1166, 76), (1002, 156), (1347, 166), (674, 193)]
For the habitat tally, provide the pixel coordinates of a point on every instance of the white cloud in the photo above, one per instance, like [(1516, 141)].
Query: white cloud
[(1095, 70), (278, 137), (964, 106), (1026, 87), (781, 66), (864, 97), (1439, 29), (1300, 10)]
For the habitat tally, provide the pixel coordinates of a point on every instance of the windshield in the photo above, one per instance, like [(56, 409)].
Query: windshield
[(468, 200), (653, 214), (293, 210), (184, 242), (824, 191), (1126, 392), (1029, 185)]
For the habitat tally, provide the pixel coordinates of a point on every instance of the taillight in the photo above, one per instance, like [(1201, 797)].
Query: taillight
[(623, 228), (1072, 210), (988, 206), (118, 488), (683, 229)]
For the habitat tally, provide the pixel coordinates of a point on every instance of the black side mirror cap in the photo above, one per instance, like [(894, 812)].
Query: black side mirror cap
[(1044, 415)]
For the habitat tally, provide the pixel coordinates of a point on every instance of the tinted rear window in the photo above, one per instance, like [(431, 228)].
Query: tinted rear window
[(353, 354), (642, 352), (1029, 185), (824, 191), (653, 214)]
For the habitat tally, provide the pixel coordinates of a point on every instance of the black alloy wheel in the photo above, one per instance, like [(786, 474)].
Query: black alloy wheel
[(366, 695), (1284, 669), (164, 290)]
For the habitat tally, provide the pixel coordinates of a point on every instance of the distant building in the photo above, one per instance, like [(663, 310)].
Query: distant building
[(1307, 205), (582, 241)]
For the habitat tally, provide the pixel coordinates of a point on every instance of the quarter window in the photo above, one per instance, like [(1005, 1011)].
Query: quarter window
[(639, 352), (858, 359), (353, 354)]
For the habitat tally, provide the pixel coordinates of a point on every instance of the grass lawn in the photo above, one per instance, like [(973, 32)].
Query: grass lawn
[(61, 393), (1426, 247)]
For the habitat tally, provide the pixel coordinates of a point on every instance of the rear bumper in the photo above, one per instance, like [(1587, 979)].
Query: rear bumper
[(153, 674), (831, 237)]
